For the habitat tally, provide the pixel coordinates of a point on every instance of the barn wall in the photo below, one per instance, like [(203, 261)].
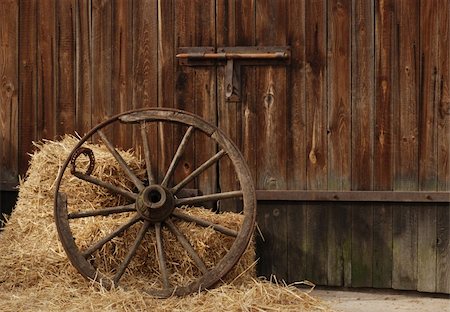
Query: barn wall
[(363, 106)]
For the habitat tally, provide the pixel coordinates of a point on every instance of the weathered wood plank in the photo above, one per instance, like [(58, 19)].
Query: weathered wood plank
[(296, 138), (316, 140), (166, 77), (443, 149), (83, 66), (339, 138), (382, 246), (205, 93), (27, 95), (65, 55), (271, 111), (404, 275), (362, 139), (47, 65), (145, 72), (229, 113), (9, 87), (383, 164), (426, 245), (101, 60), (122, 67)]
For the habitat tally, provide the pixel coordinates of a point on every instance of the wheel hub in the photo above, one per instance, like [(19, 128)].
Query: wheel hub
[(155, 203)]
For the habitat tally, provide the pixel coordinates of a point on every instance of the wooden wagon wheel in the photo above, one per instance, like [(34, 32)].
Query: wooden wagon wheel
[(155, 205)]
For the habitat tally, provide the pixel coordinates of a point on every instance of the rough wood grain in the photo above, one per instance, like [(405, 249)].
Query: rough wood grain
[(83, 66), (166, 77), (296, 142), (145, 72), (47, 65), (271, 111), (228, 113), (65, 55), (101, 60), (339, 138), (122, 67), (383, 162), (443, 149), (27, 91), (9, 86), (362, 140), (426, 245), (316, 141), (404, 273)]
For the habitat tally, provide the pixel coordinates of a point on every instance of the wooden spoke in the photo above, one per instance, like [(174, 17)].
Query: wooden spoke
[(101, 212), (131, 252), (112, 188), (121, 161), (189, 218), (161, 256), (187, 246), (86, 253), (151, 179), (177, 156), (207, 198), (198, 171)]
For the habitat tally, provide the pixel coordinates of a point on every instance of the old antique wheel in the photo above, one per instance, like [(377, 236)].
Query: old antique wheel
[(153, 205)]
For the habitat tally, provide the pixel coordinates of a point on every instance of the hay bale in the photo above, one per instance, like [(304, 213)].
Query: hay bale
[(36, 275)]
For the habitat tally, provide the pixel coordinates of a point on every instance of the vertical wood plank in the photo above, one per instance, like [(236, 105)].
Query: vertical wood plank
[(383, 164), (404, 275), (65, 52), (47, 66), (9, 86), (101, 60), (426, 246), (185, 81), (83, 66), (27, 97), (316, 141), (443, 149), (271, 112), (205, 94), (362, 140), (122, 67), (296, 146), (145, 70), (166, 76), (246, 35), (229, 113), (339, 139)]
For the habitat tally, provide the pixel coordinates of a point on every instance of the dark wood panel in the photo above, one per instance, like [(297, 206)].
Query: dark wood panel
[(404, 275), (65, 55), (101, 60), (339, 139), (145, 72), (383, 164), (362, 165), (122, 65), (228, 113), (9, 87), (426, 245), (47, 66), (316, 140), (296, 142), (166, 77), (27, 95), (271, 84), (443, 149), (83, 66)]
